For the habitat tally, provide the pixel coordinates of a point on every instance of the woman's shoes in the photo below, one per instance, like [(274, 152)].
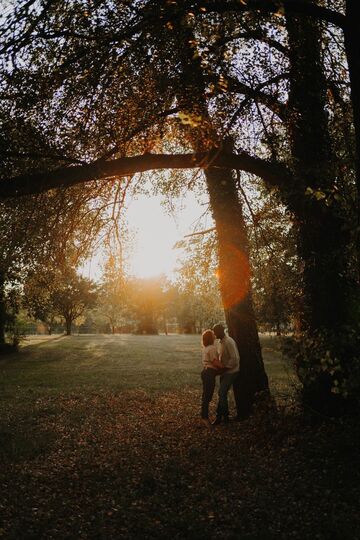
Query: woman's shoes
[(207, 423)]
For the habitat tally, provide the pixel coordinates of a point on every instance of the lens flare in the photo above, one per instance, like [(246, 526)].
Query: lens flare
[(234, 275)]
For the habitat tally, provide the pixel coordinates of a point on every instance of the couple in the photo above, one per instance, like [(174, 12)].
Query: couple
[(223, 362)]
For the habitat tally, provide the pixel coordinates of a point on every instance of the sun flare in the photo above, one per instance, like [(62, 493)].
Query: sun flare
[(156, 233)]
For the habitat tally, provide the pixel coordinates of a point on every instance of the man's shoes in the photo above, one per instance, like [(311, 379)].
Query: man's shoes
[(217, 421), (238, 418), (220, 420)]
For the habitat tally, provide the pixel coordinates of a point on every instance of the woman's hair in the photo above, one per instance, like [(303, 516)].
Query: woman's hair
[(208, 338)]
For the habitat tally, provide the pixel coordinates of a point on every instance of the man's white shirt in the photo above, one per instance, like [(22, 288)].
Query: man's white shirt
[(229, 354)]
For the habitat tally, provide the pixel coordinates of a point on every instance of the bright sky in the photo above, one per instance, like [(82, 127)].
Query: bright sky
[(156, 232)]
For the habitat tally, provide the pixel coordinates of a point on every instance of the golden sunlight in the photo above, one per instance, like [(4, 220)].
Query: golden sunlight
[(156, 233)]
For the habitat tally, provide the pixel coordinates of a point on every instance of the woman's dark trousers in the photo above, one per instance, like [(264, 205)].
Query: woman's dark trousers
[(208, 379)]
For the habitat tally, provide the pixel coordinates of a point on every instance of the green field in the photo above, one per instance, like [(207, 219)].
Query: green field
[(96, 363), (100, 438)]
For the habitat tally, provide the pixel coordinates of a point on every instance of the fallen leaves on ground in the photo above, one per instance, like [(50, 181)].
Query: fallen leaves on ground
[(138, 465)]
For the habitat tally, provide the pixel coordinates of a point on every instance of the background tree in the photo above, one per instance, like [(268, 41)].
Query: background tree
[(72, 296), (198, 303), (59, 292), (38, 298), (276, 268), (115, 293), (148, 303)]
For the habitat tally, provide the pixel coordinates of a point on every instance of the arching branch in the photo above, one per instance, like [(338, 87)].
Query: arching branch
[(258, 34), (272, 173), (300, 7)]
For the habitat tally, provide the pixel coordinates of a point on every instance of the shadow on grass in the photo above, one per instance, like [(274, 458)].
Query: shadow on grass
[(41, 343), (17, 447), (26, 350)]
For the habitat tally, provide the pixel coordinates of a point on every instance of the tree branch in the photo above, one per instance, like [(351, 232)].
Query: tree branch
[(200, 232), (275, 105), (273, 173), (258, 35), (136, 131), (299, 7)]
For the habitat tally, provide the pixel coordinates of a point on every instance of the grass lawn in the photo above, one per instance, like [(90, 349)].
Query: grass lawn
[(96, 363), (100, 438)]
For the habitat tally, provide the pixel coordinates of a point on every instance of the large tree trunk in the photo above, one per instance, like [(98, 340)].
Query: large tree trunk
[(324, 241), (235, 285), (352, 47), (2, 308), (322, 237)]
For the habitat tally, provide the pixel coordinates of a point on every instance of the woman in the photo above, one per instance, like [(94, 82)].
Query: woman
[(211, 367)]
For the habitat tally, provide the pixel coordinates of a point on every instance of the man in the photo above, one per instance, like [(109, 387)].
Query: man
[(230, 359)]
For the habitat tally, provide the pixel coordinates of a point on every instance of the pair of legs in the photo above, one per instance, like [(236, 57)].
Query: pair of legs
[(208, 377), (226, 382)]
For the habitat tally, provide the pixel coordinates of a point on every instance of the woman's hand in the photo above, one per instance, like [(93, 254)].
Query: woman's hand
[(216, 363)]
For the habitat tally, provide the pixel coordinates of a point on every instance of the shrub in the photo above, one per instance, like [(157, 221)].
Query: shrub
[(328, 367)]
